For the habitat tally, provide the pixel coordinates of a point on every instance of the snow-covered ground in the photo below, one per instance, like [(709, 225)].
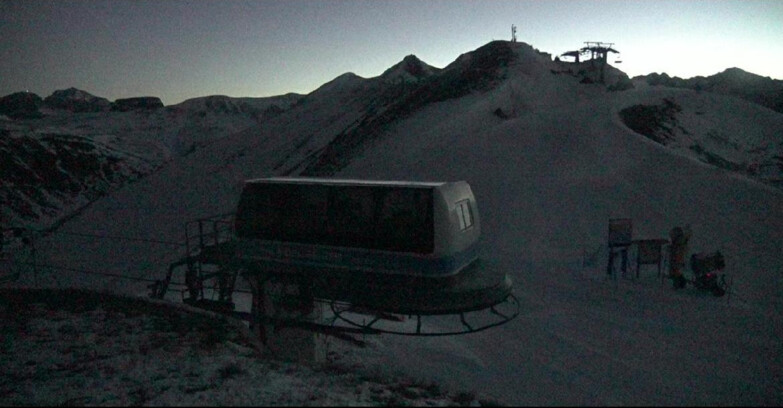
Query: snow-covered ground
[(547, 184), (83, 348), (547, 179)]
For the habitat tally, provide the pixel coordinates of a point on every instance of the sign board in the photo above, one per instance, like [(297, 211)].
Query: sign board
[(620, 232)]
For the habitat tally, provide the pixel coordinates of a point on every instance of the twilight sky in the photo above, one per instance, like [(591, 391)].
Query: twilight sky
[(184, 49)]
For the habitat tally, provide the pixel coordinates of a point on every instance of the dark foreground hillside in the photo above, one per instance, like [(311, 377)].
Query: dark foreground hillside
[(76, 347)]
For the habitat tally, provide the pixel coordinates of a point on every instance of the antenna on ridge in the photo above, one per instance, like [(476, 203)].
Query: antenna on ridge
[(513, 33)]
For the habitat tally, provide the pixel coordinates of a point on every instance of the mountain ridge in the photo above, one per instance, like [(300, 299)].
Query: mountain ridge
[(764, 91), (371, 106)]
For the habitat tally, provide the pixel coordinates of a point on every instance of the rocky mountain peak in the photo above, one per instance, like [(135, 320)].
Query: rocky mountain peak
[(76, 100), (410, 69), (21, 105)]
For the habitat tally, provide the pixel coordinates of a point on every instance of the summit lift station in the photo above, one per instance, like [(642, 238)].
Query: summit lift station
[(383, 249)]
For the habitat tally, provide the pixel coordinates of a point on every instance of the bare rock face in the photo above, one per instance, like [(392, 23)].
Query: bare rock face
[(76, 100), (45, 174), (21, 105), (139, 103)]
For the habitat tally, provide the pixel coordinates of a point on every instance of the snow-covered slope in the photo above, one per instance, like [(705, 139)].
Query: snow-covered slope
[(705, 126), (548, 173), (754, 88), (77, 149), (547, 181)]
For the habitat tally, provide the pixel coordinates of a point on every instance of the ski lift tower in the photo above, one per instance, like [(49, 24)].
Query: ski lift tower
[(513, 33), (598, 51)]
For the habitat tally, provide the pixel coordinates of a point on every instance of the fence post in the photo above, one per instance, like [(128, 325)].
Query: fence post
[(201, 235)]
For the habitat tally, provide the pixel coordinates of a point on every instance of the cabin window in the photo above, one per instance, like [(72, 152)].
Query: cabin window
[(371, 217), (464, 215), (405, 220), (351, 217)]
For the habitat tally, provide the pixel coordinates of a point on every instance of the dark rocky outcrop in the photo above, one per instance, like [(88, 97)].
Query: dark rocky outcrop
[(657, 122), (21, 105), (660, 123), (139, 103), (52, 172)]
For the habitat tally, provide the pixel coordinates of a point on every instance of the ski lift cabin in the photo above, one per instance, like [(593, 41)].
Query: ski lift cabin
[(408, 228), (396, 246)]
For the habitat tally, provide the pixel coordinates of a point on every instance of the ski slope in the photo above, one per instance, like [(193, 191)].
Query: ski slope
[(546, 183)]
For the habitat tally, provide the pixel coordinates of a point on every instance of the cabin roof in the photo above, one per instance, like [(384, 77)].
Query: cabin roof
[(344, 182)]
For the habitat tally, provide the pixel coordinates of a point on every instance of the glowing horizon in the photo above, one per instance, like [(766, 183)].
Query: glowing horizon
[(185, 49)]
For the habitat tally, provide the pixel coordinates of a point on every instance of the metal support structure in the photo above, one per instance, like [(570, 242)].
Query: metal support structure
[(290, 307), (398, 327), (208, 265), (597, 50), (619, 240)]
